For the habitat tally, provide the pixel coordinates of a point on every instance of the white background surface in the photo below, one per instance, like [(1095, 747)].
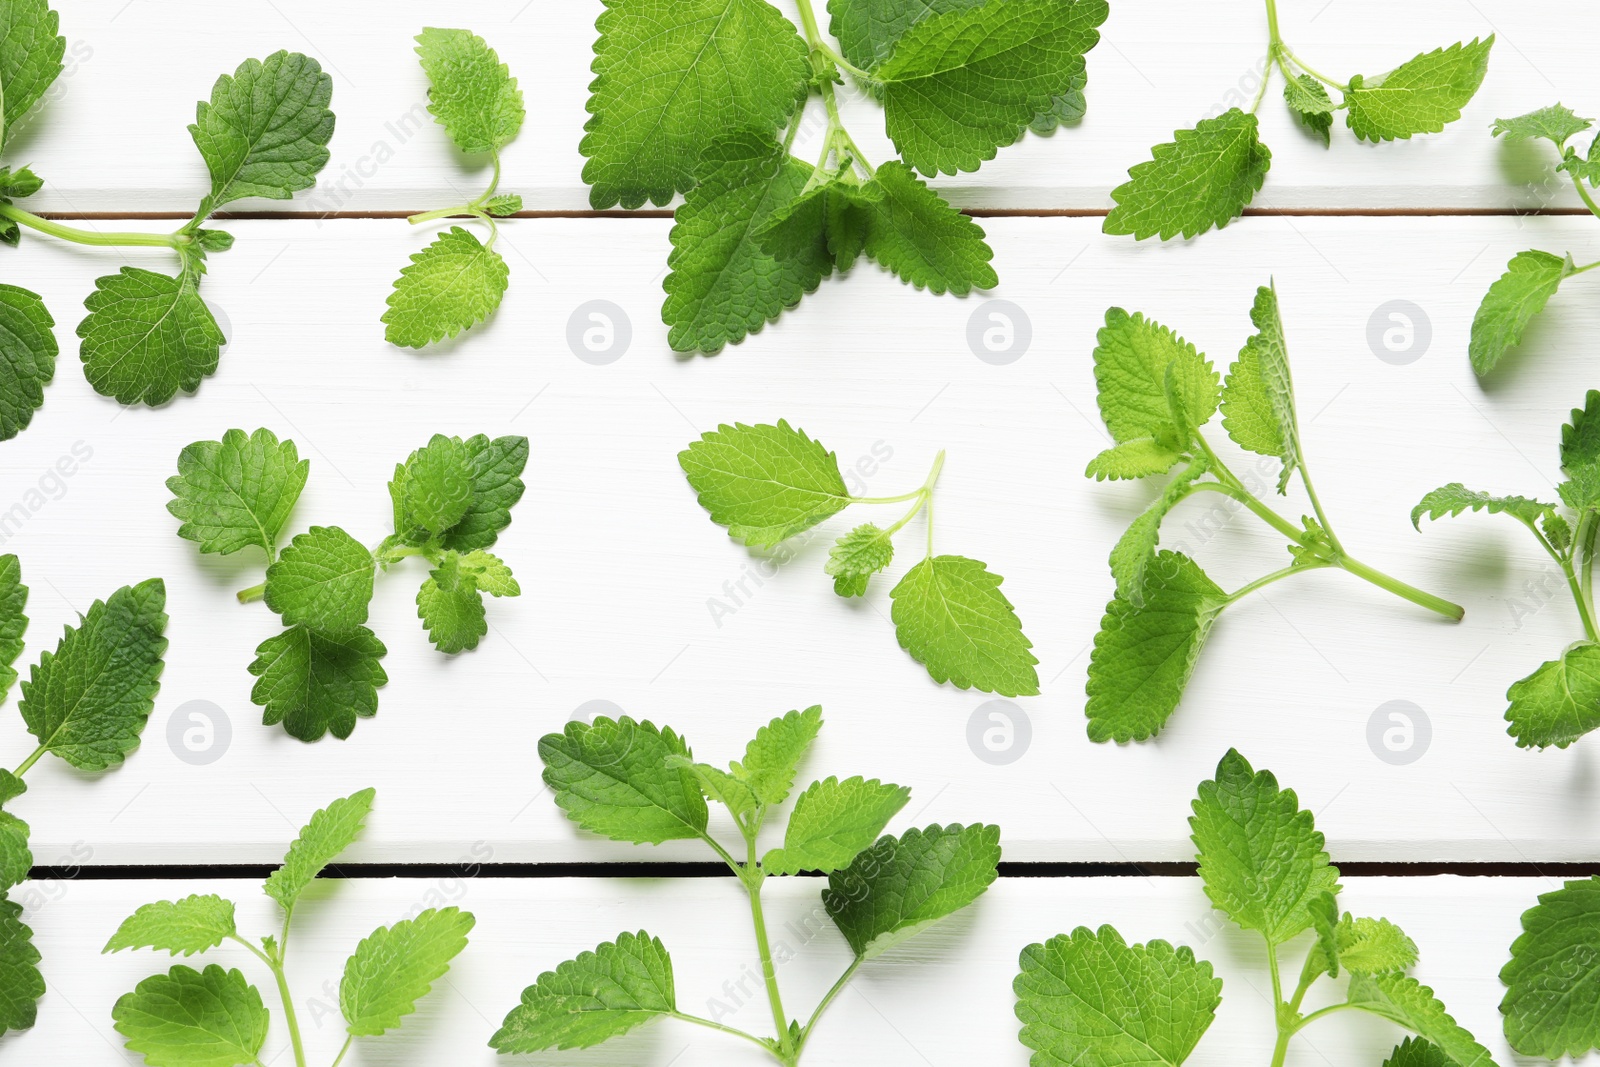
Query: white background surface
[(618, 564)]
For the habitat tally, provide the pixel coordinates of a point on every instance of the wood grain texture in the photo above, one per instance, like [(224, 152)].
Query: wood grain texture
[(112, 135), (943, 998), (620, 568)]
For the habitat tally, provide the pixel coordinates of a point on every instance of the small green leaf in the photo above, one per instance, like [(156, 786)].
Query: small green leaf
[(672, 76), (194, 924), (27, 357), (314, 684), (15, 857), (323, 581), (1258, 398), (266, 130), (1580, 455), (1135, 550), (1552, 1001), (612, 779), (914, 233), (1558, 703), (832, 822), (503, 205), (1261, 856), (21, 984), (471, 93), (1512, 303), (724, 283), (1132, 362), (396, 966), (190, 1018), (496, 487), (1092, 1000), (718, 785), (1415, 1052), (1555, 123), (598, 996), (857, 556), (774, 754), (1402, 999), (961, 84), (88, 701), (148, 335), (764, 483), (238, 491), (11, 787), (1138, 458), (31, 48), (1147, 647), (1203, 178), (450, 606), (1422, 95), (452, 285), (901, 885), (950, 616), (330, 831), (1455, 498), (1309, 101), (1583, 168), (432, 490), (13, 625), (488, 572)]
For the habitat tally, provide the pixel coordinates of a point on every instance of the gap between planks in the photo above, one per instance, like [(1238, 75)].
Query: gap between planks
[(978, 213)]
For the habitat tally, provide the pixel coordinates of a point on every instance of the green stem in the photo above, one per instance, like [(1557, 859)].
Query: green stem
[(255, 592), (822, 1006), (1288, 53), (1316, 506), (1320, 1013), (1280, 1051), (1453, 612), (1268, 579), (347, 1043), (1583, 556), (90, 237), (29, 762), (1584, 612), (710, 1025), (769, 973), (1588, 201)]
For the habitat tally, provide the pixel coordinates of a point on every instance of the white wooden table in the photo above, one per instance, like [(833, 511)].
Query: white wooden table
[(618, 564)]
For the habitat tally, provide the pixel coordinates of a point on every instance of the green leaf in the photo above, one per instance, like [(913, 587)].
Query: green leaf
[(1374, 946), (21, 984), (1555, 123), (1583, 168), (1422, 95), (1089, 999), (1309, 101), (1138, 458), (1552, 1001), (672, 76), (431, 490), (396, 966), (1414, 1052), (194, 924), (962, 84), (314, 684), (488, 572), (88, 701), (450, 606), (901, 885), (470, 92), (1512, 302), (591, 999), (1580, 455), (774, 754), (1261, 857), (496, 487), (829, 223), (1558, 703), (764, 483), (1402, 999), (13, 625), (1132, 362), (724, 284), (913, 232), (190, 1018), (857, 556), (1147, 647), (1258, 398), (15, 857), (718, 785), (331, 830), (11, 786), (30, 58), (452, 285), (832, 822), (19, 184), (1324, 955), (1455, 498), (503, 205), (612, 779), (1203, 178), (1067, 109), (148, 335), (1135, 550), (950, 616), (323, 581), (868, 30), (237, 492), (266, 130), (27, 357)]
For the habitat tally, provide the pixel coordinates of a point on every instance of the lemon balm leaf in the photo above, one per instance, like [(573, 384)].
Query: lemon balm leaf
[(599, 995), (266, 129), (330, 831), (315, 684), (765, 483), (148, 335), (950, 616), (454, 284), (1202, 179), (237, 492), (396, 966), (1422, 95), (27, 357), (471, 93)]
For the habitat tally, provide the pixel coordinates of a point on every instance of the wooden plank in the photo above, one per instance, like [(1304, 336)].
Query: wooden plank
[(943, 998), (633, 597), (112, 136)]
